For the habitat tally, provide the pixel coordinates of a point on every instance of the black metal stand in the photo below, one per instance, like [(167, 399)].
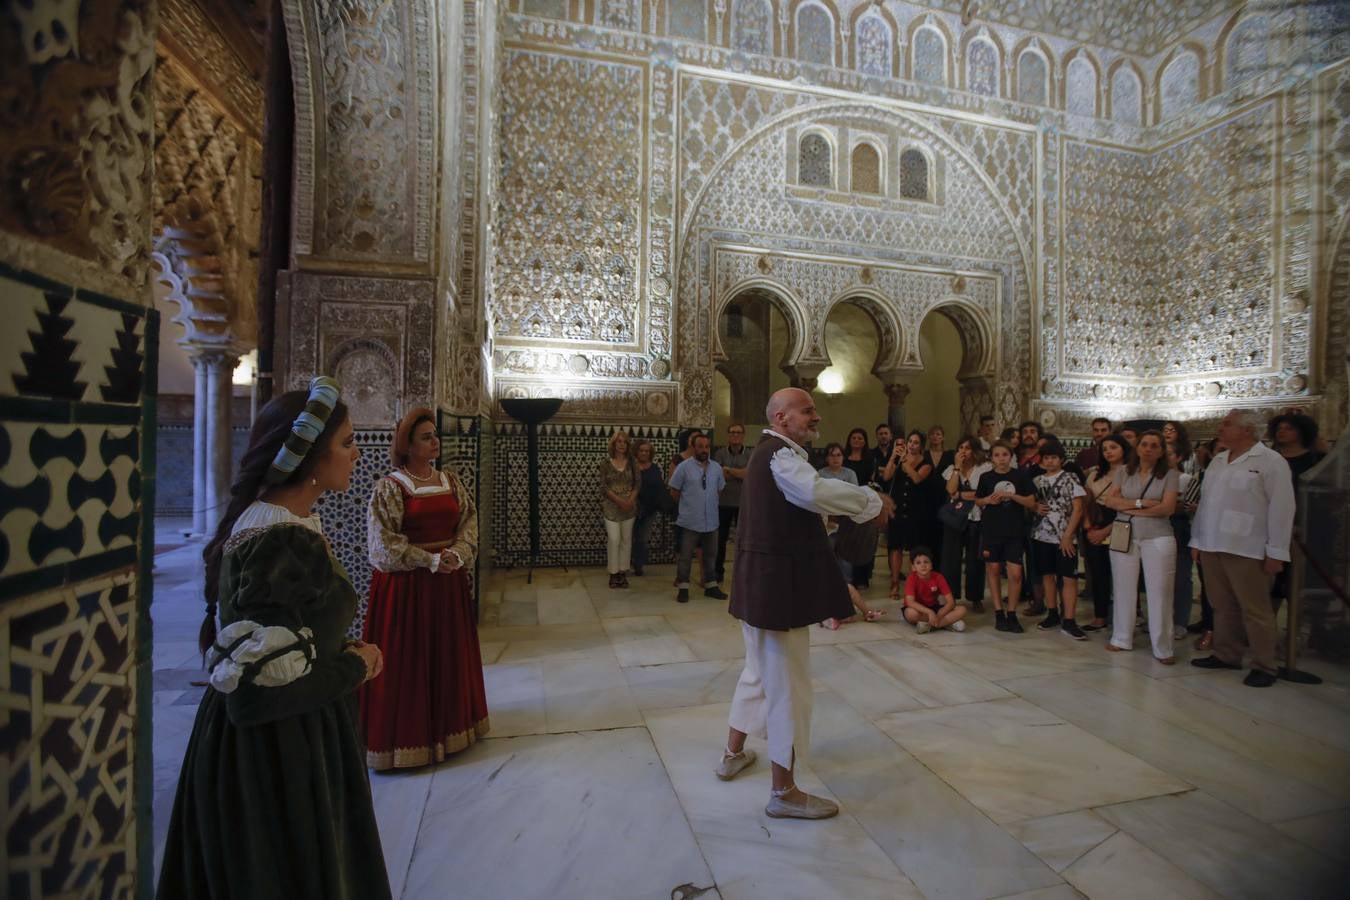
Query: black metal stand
[(531, 413)]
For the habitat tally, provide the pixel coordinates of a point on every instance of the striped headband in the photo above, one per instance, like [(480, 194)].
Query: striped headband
[(323, 396)]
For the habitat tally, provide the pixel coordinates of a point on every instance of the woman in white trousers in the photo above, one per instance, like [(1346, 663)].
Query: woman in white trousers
[(1144, 494), (618, 489)]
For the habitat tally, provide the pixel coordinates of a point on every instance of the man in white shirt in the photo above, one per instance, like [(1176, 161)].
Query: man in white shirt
[(1240, 537), (786, 580)]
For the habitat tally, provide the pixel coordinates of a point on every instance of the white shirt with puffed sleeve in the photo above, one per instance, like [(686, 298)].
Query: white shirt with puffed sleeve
[(802, 485), (1246, 506)]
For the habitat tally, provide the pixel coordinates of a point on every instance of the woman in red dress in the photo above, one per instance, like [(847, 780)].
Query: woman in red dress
[(422, 538)]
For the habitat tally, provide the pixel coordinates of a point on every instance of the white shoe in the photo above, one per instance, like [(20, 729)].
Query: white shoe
[(731, 766), (958, 625), (1179, 633), (923, 627)]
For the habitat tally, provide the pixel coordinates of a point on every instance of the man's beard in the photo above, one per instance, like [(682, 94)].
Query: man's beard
[(701, 456), (813, 434)]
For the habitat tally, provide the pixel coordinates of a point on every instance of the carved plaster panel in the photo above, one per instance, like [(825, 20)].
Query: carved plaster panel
[(196, 43), (596, 401), (569, 259), (365, 78), (376, 330), (207, 195), (77, 117)]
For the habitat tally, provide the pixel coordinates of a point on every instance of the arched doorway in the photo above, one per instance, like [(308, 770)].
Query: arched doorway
[(935, 393), (755, 337), (848, 395)]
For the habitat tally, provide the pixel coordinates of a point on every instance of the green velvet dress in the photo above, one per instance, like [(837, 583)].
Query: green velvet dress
[(274, 798)]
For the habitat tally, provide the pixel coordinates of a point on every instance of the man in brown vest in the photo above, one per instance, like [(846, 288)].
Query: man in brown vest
[(785, 580)]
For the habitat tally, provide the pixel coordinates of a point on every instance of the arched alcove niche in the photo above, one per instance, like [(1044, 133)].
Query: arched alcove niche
[(968, 253)]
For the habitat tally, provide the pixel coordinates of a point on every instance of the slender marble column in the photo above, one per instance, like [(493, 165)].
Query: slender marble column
[(895, 408), (220, 462), (199, 452)]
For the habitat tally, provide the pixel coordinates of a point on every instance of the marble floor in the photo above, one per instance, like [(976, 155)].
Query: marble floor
[(974, 765)]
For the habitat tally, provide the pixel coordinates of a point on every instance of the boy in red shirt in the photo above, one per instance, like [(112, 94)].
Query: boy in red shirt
[(928, 599)]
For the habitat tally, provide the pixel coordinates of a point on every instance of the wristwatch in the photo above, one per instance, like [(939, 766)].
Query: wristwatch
[(1139, 504)]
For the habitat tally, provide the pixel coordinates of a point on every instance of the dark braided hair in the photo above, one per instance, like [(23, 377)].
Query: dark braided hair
[(264, 440)]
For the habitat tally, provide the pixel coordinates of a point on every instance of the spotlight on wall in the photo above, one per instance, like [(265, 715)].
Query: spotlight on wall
[(830, 382)]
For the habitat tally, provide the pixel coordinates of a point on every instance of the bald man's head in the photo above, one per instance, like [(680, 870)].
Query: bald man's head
[(792, 413)]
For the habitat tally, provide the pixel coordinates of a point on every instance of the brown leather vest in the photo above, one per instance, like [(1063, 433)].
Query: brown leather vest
[(785, 574)]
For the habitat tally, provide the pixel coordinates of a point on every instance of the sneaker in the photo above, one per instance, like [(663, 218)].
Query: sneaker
[(1090, 628), (1212, 662), (1000, 620), (1070, 627), (923, 627), (1013, 625), (682, 596), (613, 581), (715, 592), (731, 766), (1050, 621), (958, 625), (1036, 608), (805, 807), (1258, 678), (1179, 633)]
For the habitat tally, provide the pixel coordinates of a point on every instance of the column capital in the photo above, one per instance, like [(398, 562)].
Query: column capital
[(804, 374), (896, 393)]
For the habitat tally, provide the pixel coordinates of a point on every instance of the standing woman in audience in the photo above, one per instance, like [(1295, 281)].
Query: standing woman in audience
[(1293, 436), (618, 503), (652, 499), (1144, 492), (935, 490), (1188, 500), (1114, 453), (274, 798), (860, 458), (962, 477), (1177, 438), (422, 538), (907, 469)]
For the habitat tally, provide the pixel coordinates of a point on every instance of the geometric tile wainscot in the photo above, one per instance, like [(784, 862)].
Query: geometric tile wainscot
[(77, 417)]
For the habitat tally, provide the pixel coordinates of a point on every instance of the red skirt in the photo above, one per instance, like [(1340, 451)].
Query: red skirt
[(429, 702)]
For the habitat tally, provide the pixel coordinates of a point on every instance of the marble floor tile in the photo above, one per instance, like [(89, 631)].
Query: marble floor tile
[(947, 846), (565, 606), (1016, 761), (1058, 892), (1328, 833), (1294, 755), (587, 694), (711, 641), (1018, 656), (515, 698), (859, 680), (490, 651), (1231, 852), (646, 641), (1060, 840), (518, 612), (926, 676), (400, 797), (683, 684), (751, 855), (1321, 712), (1121, 867), (1251, 784), (577, 815)]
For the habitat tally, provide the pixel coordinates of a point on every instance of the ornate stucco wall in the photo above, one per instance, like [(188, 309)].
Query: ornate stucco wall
[(1154, 181)]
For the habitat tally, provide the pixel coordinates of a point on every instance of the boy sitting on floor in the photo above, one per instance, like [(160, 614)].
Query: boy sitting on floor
[(928, 600)]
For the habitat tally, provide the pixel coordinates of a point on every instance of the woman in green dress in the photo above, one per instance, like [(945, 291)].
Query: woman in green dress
[(274, 799)]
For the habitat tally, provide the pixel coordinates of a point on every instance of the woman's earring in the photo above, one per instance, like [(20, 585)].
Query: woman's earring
[(314, 482)]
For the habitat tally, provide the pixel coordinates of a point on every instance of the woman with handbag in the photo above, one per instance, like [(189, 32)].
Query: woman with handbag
[(1144, 495), (618, 506), (1113, 453), (908, 469), (960, 519), (653, 499)]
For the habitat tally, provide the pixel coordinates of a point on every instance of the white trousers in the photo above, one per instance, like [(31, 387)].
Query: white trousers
[(773, 697), (620, 545), (1158, 557)]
